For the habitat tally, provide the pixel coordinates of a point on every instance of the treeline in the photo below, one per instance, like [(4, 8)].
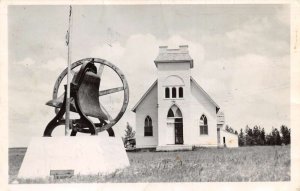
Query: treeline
[(257, 136)]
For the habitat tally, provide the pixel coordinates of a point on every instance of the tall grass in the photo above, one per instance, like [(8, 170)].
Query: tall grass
[(260, 163)]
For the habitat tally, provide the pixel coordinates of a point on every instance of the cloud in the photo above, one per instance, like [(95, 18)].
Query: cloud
[(196, 50), (259, 34), (249, 72), (251, 88), (27, 62), (56, 64), (108, 51)]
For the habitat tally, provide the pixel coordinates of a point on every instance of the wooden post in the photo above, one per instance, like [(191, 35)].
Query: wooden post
[(67, 125)]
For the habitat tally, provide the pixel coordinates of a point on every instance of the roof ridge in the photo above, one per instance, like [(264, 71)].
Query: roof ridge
[(144, 96), (193, 80)]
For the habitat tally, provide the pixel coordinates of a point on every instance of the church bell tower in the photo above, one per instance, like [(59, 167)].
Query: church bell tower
[(173, 83)]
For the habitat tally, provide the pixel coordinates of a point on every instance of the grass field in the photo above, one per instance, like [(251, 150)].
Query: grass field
[(260, 163)]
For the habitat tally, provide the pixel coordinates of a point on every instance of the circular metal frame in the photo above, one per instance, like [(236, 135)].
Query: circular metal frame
[(104, 63)]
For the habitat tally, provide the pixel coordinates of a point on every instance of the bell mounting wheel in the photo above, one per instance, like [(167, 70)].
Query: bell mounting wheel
[(100, 64)]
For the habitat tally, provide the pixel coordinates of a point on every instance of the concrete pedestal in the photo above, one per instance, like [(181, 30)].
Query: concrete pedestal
[(85, 155)]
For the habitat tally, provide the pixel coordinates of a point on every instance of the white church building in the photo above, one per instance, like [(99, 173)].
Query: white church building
[(176, 113)]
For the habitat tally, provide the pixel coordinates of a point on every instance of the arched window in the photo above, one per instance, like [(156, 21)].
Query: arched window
[(173, 92), (178, 113), (203, 125), (148, 129), (170, 113), (167, 93), (174, 111), (181, 92)]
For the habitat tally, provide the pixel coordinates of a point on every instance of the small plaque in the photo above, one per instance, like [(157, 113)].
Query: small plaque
[(58, 174)]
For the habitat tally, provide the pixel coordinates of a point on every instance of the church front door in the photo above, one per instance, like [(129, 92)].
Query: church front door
[(178, 131)]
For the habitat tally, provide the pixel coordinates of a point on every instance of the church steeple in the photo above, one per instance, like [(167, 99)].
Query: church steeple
[(173, 89)]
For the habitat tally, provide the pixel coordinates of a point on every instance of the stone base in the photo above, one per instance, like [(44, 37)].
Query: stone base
[(85, 155), (174, 148)]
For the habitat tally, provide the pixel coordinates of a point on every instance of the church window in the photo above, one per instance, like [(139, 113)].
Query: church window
[(170, 113), (203, 125), (148, 129), (181, 92), (178, 113), (167, 92), (173, 92), (175, 112)]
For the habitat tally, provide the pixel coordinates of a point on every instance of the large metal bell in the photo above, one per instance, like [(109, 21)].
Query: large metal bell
[(88, 96)]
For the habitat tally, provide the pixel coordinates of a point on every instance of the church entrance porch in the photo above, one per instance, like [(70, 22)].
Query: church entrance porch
[(174, 126)]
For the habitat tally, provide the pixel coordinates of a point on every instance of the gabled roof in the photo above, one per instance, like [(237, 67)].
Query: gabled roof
[(144, 96), (199, 87), (192, 80)]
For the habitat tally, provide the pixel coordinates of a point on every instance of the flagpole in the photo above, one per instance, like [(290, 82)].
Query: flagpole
[(67, 124)]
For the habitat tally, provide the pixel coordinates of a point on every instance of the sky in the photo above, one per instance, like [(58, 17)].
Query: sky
[(241, 57)]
